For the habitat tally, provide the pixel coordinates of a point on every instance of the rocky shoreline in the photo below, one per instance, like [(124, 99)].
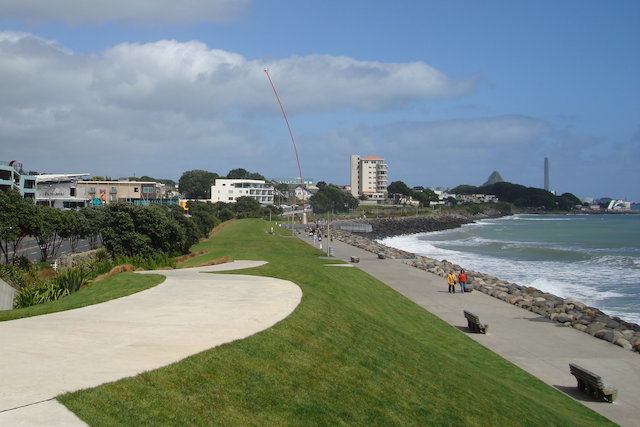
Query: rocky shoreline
[(565, 311)]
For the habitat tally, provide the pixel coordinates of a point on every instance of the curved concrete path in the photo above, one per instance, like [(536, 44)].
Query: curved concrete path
[(189, 312), (539, 346)]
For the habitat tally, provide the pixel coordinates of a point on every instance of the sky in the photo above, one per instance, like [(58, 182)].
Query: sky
[(445, 91)]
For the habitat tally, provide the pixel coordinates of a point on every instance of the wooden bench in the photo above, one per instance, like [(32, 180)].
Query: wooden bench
[(592, 384), (474, 323), (355, 259)]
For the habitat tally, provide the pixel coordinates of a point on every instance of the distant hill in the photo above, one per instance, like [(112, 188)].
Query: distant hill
[(494, 178), (521, 196)]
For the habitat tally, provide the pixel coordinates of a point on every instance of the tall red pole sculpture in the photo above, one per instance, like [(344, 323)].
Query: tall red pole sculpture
[(295, 149)]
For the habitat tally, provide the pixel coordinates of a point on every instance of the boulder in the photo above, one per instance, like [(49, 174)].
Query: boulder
[(623, 343), (594, 327), (580, 327), (539, 302)]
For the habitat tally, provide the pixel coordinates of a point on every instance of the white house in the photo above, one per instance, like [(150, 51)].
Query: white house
[(228, 190)]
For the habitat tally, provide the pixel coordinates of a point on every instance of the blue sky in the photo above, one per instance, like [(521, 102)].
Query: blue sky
[(445, 91)]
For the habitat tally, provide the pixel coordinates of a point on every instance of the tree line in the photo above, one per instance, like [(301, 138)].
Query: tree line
[(196, 184), (523, 197), (123, 229)]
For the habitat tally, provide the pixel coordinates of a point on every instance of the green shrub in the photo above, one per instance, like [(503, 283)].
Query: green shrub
[(96, 268), (102, 255), (50, 291), (23, 263), (26, 297), (151, 262), (13, 275), (71, 279)]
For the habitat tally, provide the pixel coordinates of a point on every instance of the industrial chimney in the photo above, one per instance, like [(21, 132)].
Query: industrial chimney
[(546, 173)]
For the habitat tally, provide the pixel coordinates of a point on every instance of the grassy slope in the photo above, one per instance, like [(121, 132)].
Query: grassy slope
[(114, 287), (353, 352)]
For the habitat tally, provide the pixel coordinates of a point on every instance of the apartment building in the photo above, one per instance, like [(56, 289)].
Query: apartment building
[(13, 177), (60, 190), (105, 192), (369, 177), (228, 190)]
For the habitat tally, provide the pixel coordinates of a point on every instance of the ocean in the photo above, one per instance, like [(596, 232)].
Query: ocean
[(591, 258)]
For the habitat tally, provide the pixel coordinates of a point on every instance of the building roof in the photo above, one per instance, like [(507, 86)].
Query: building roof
[(372, 158), (60, 177)]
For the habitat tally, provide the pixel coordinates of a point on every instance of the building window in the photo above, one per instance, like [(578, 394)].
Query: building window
[(136, 189), (72, 192)]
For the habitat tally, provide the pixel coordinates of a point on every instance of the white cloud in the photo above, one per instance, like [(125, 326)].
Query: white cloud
[(80, 12), (170, 98), (189, 77)]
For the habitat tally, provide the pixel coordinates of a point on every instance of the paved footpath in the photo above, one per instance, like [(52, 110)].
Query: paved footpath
[(539, 346), (190, 312)]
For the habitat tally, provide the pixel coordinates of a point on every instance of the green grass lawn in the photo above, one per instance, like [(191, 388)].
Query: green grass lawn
[(353, 352), (117, 286)]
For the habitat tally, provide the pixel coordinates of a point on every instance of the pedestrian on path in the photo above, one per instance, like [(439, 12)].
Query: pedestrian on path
[(462, 278), (451, 280)]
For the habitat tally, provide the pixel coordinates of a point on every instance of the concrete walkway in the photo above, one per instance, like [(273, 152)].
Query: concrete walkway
[(539, 346), (189, 312)]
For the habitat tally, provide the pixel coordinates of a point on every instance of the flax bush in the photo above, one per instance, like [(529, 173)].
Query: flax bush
[(71, 279)]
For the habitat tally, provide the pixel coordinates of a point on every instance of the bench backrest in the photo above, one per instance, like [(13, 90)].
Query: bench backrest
[(585, 375), (472, 317)]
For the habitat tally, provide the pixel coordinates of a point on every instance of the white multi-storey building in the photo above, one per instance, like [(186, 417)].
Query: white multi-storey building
[(228, 190), (369, 177)]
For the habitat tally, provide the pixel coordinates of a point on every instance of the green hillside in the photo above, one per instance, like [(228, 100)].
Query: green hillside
[(353, 352)]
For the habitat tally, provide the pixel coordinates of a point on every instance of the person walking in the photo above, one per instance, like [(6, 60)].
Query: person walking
[(462, 279), (451, 280)]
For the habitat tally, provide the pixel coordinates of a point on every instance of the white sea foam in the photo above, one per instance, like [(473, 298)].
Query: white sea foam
[(608, 282), (626, 316)]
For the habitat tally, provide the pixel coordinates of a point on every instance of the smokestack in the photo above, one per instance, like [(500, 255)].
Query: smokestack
[(546, 173)]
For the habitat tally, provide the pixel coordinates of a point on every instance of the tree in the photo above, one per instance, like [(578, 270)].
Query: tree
[(332, 198), (196, 184), (119, 233), (48, 226), (16, 222), (91, 226), (142, 230), (241, 173), (465, 189), (425, 197), (399, 187), (247, 207), (188, 224), (205, 215), (69, 228)]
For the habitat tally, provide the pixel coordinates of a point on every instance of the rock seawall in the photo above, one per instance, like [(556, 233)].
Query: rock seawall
[(565, 311), (396, 226)]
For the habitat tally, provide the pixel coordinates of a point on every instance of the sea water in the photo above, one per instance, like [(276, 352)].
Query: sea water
[(591, 258)]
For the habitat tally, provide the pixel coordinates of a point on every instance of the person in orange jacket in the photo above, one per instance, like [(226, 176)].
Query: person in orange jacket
[(462, 279)]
